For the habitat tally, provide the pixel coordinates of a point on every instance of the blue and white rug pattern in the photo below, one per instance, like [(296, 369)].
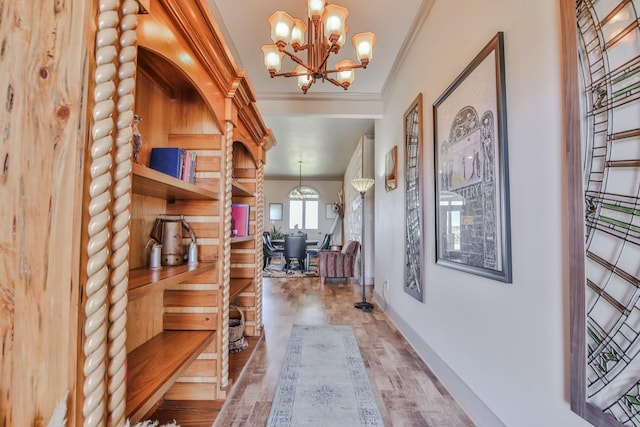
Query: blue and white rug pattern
[(323, 381)]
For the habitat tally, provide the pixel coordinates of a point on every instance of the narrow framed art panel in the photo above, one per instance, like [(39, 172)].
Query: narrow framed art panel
[(390, 169), (413, 199), (471, 170), (602, 136)]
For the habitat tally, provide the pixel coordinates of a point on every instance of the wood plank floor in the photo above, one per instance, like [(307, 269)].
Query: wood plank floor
[(407, 392)]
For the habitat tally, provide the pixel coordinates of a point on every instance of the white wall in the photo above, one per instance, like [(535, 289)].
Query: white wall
[(501, 349), (277, 191)]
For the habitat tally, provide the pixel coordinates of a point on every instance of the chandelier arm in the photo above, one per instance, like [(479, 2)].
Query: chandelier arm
[(288, 74), (335, 82), (297, 60), (326, 57), (353, 67)]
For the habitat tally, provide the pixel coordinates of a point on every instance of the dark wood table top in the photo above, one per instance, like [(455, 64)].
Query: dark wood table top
[(280, 242)]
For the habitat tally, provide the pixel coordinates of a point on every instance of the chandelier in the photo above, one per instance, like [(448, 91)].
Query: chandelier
[(327, 32)]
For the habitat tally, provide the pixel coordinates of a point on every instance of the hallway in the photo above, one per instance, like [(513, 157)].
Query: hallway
[(406, 391)]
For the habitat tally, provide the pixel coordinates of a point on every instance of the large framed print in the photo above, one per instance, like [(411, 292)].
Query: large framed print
[(472, 185)]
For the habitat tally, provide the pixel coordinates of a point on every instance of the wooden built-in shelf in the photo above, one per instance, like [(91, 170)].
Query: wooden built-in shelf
[(238, 361), (157, 364), (149, 182), (143, 281), (238, 189), (236, 286), (241, 239)]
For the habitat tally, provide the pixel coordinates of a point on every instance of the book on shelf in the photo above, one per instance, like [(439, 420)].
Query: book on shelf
[(239, 219), (174, 161)]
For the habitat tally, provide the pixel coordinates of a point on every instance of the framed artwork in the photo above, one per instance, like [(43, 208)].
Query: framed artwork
[(390, 167), (471, 171), (330, 213), (413, 199), (603, 215), (275, 211)]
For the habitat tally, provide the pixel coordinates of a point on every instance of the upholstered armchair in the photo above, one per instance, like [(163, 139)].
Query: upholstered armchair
[(338, 263)]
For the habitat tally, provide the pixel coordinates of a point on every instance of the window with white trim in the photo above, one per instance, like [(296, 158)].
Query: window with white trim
[(304, 206)]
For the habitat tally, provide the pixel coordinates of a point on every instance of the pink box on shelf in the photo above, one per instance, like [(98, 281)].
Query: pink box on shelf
[(239, 219)]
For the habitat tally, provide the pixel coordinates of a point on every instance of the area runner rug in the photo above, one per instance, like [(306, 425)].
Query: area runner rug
[(323, 382), (275, 271)]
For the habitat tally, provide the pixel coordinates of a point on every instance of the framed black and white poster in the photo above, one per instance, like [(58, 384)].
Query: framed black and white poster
[(471, 171)]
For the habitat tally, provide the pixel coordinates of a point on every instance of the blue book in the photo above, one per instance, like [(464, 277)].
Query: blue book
[(167, 160)]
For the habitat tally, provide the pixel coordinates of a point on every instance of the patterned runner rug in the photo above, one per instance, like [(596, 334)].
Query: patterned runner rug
[(323, 382), (276, 271)]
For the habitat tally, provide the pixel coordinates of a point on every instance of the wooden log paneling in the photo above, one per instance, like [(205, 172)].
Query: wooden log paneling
[(190, 321), (243, 258), (247, 301), (208, 163), (192, 141), (206, 229), (201, 368), (244, 173), (250, 185), (211, 350), (192, 391), (248, 244), (243, 273), (251, 201), (190, 298), (193, 208), (144, 319), (249, 313), (208, 252)]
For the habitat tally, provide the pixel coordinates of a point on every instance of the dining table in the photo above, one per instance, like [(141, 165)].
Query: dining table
[(280, 242)]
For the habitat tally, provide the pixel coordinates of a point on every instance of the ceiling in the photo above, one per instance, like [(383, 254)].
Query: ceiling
[(322, 127)]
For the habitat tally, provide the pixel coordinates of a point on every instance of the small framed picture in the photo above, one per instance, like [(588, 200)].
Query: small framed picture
[(275, 211), (390, 168), (330, 213)]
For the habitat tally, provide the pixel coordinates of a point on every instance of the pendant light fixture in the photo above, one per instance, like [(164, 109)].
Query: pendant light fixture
[(299, 189), (326, 33)]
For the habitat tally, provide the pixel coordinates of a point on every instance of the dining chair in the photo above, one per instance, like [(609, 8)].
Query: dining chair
[(295, 249), (269, 251)]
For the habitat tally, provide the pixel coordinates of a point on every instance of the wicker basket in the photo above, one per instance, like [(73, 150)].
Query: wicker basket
[(236, 323)]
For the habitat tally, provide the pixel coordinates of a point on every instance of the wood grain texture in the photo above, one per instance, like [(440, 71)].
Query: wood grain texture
[(154, 366), (188, 298), (190, 321), (44, 82), (192, 141)]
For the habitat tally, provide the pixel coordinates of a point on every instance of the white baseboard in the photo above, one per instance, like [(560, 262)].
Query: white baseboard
[(480, 414)]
